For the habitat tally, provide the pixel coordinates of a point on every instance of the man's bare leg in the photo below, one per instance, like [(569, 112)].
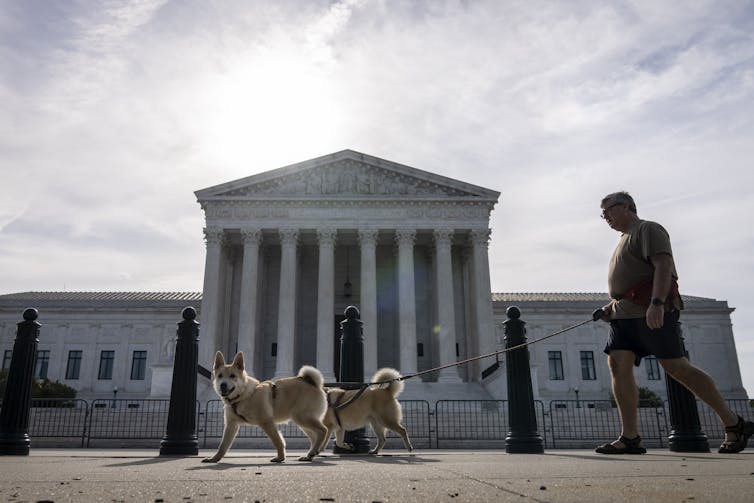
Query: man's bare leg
[(621, 363), (701, 384)]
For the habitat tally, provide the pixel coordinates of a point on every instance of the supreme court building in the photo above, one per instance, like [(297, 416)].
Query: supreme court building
[(288, 250)]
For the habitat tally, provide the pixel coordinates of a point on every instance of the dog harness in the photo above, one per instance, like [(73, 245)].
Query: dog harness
[(234, 404), (334, 406)]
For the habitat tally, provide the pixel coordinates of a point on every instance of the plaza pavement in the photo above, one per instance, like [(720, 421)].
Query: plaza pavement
[(127, 475)]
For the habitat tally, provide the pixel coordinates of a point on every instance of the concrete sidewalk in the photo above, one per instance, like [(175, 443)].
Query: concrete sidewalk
[(427, 475)]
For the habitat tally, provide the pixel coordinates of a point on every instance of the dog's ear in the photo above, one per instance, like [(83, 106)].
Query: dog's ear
[(219, 360), (238, 361)]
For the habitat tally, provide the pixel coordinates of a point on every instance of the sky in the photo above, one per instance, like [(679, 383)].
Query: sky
[(112, 113)]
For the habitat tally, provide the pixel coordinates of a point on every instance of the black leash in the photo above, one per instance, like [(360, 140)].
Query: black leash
[(596, 315)]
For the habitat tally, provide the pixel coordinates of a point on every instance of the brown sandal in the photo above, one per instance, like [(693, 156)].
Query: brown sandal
[(630, 446), (743, 430)]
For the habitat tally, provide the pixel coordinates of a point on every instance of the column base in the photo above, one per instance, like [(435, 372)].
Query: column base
[(524, 445), (17, 445), (688, 442), (357, 439), (179, 447)]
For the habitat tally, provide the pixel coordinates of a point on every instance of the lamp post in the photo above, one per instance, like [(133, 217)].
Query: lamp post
[(115, 393)]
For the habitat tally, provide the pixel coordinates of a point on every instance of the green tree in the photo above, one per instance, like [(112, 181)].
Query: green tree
[(44, 388)]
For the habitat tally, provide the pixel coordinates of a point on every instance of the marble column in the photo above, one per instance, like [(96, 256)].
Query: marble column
[(368, 308), (446, 331), (326, 303), (406, 301), (286, 304), (483, 323), (247, 315), (210, 314)]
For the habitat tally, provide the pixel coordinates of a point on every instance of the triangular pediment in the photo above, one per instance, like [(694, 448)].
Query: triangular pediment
[(346, 174)]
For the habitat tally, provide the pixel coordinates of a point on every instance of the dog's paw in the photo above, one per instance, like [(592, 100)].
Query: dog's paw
[(210, 460), (277, 460), (374, 452), (305, 458)]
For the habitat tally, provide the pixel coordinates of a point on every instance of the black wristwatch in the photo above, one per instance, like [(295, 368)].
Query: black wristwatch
[(656, 301)]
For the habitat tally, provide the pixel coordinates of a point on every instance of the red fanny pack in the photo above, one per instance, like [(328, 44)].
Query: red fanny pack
[(641, 293)]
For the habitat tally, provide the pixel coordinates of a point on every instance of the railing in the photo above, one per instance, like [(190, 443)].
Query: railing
[(451, 423), (59, 418), (476, 423), (580, 423), (137, 421)]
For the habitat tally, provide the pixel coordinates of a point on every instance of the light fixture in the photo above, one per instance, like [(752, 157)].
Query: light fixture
[(347, 286)]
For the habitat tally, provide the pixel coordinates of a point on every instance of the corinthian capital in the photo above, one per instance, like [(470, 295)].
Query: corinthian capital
[(327, 236), (213, 236), (251, 236), (405, 237), (288, 237), (443, 237), (480, 237), (367, 237)]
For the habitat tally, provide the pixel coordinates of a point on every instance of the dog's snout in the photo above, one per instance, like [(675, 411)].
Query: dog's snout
[(223, 387)]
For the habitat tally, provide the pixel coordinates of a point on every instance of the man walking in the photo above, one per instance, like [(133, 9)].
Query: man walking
[(644, 320)]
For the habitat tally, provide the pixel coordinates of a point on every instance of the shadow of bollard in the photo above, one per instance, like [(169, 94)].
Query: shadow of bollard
[(14, 416), (180, 437)]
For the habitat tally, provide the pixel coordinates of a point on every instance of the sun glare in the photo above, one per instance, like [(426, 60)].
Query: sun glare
[(272, 104)]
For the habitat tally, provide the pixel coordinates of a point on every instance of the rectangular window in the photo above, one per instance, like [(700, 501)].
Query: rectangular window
[(555, 359), (139, 366), (41, 364), (653, 368), (6, 359), (419, 349), (588, 372), (73, 369), (106, 359)]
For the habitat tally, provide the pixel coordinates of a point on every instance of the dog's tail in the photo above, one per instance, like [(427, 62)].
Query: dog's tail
[(388, 374), (312, 376)]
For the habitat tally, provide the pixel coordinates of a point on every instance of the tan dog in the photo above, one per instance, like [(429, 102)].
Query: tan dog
[(377, 406), (248, 401)]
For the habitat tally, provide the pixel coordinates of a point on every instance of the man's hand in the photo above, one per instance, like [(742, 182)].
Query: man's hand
[(655, 316), (605, 313)]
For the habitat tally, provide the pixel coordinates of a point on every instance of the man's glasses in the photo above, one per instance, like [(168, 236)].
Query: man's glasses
[(604, 212)]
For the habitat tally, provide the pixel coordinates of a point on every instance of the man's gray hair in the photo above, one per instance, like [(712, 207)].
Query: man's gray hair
[(622, 197)]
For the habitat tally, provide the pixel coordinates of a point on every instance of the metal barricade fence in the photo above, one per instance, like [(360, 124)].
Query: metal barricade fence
[(477, 423), (58, 418), (134, 420), (710, 423), (457, 423), (581, 423)]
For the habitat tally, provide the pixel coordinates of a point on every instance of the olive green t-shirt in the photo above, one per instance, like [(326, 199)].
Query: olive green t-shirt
[(630, 265)]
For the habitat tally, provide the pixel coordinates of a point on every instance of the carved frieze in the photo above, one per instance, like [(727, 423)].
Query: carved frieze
[(347, 177), (257, 211)]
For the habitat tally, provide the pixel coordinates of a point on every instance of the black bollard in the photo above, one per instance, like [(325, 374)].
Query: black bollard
[(180, 437), (352, 370), (522, 437), (686, 433), (14, 416)]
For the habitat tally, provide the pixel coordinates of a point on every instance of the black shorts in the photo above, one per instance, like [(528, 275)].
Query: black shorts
[(634, 335)]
